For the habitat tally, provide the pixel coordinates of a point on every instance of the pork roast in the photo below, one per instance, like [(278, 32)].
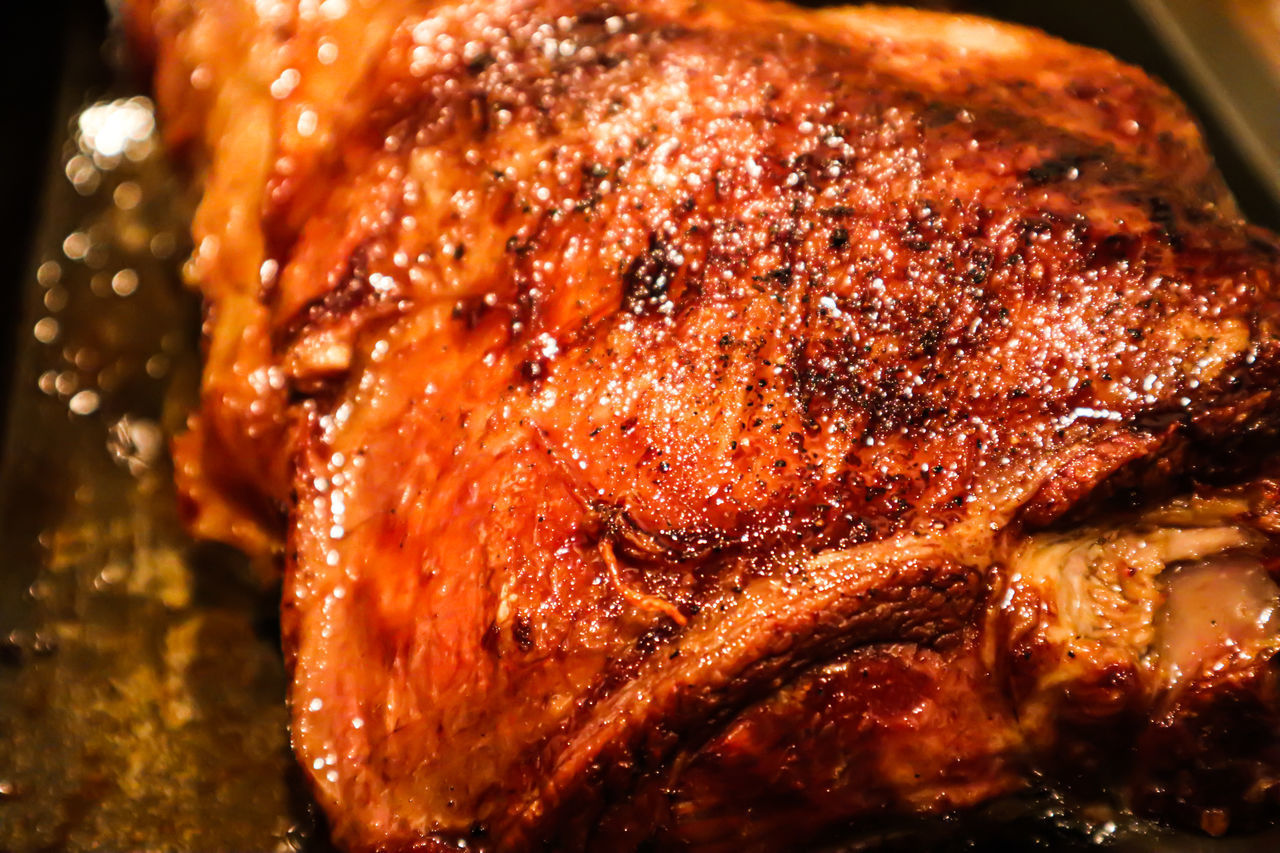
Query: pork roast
[(702, 424)]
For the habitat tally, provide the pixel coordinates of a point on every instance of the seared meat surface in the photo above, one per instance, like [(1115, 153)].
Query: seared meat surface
[(685, 423)]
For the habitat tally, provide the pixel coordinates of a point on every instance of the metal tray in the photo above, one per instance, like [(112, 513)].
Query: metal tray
[(142, 692)]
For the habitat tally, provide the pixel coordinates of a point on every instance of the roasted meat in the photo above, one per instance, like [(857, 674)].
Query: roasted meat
[(709, 425)]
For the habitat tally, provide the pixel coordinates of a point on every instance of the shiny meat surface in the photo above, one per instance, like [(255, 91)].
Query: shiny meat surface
[(654, 406)]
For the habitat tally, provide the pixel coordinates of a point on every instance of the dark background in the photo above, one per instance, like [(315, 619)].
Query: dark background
[(42, 42)]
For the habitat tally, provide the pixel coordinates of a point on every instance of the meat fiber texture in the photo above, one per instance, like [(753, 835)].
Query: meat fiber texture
[(674, 419)]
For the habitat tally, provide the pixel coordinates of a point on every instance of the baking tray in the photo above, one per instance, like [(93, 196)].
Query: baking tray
[(142, 692)]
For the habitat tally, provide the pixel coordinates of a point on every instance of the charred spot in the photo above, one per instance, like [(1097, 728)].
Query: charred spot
[(632, 543), (1165, 219), (1115, 248), (1056, 169), (480, 62), (1160, 419), (470, 310), (979, 266), (647, 280), (647, 643), (588, 203), (352, 289), (533, 370), (522, 632), (516, 246), (940, 114), (651, 640), (596, 17), (353, 299), (839, 238), (489, 642), (833, 380), (929, 341)]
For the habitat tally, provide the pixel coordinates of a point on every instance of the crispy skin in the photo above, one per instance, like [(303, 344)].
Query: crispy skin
[(618, 380)]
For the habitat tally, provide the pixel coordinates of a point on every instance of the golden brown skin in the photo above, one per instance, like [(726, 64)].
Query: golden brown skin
[(632, 387)]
